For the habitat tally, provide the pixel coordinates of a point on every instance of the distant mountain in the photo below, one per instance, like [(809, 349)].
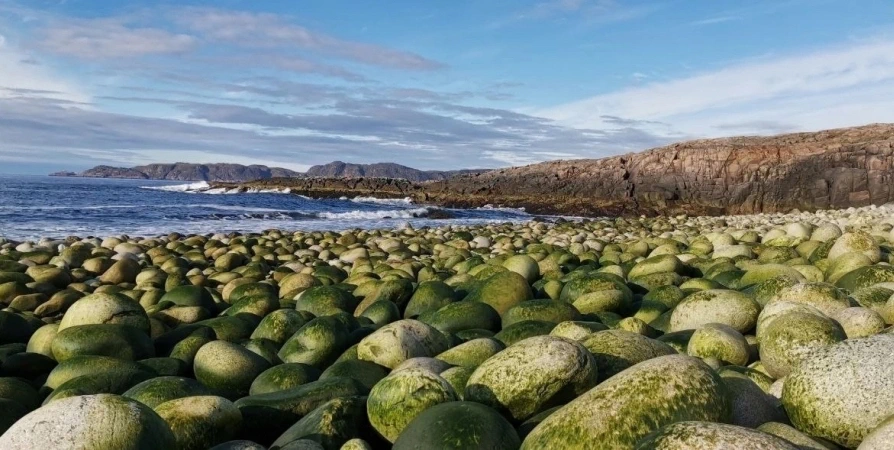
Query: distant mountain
[(187, 172), (338, 169), (239, 173)]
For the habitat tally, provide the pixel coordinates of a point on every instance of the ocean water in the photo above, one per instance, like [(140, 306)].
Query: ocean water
[(33, 207)]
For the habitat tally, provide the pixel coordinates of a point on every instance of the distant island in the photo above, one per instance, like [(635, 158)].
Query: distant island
[(235, 173)]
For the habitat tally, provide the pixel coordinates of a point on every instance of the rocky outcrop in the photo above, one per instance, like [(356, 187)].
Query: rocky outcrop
[(338, 169), (806, 171), (188, 172)]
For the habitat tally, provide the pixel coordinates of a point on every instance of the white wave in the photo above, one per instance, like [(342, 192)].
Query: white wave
[(383, 201), (490, 207), (189, 187), (366, 215)]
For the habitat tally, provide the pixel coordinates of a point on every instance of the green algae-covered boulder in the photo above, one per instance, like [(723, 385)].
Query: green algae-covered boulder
[(711, 436), (525, 329), (228, 368), (502, 291), (156, 391), (764, 272), (399, 341), (625, 408), (714, 340), (617, 350), (461, 316), (119, 341), (458, 426), (331, 424), (865, 277), (295, 283), (532, 375), (113, 382), (722, 306), (599, 292), (90, 366), (471, 353), (190, 296), (776, 309), (325, 301), (822, 296), (546, 310), (523, 265), (105, 309), (656, 264), (793, 336), (842, 392), (577, 330), (318, 343), (280, 325), (364, 372), (860, 322), (200, 422), (90, 422), (266, 416), (125, 270), (429, 296), (458, 377), (398, 398), (856, 242), (282, 377), (42, 340)]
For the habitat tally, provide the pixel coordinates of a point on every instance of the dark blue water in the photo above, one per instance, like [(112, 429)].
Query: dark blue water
[(32, 207)]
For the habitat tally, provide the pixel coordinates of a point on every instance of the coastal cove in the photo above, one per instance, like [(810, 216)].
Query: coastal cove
[(32, 207)]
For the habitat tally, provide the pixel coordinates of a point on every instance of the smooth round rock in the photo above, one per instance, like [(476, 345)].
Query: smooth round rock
[(719, 341), (531, 375), (625, 408), (399, 341), (398, 398), (105, 309), (617, 350), (90, 422), (200, 422), (721, 306), (458, 426), (794, 336), (843, 392), (228, 367)]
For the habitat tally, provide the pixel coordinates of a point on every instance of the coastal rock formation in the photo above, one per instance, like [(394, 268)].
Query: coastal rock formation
[(806, 171), (338, 169)]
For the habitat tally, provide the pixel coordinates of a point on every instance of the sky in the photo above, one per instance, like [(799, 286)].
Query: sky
[(432, 85)]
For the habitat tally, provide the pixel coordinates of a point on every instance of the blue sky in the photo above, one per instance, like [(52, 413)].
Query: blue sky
[(434, 85)]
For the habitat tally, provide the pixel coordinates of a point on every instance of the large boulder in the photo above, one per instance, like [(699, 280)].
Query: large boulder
[(399, 341), (843, 392), (711, 436), (722, 306), (531, 375), (90, 422), (458, 426), (398, 398), (200, 422), (625, 408)]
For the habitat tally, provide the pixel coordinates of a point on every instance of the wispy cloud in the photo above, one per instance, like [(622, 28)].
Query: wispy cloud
[(715, 20), (268, 30), (112, 38), (588, 12), (808, 91)]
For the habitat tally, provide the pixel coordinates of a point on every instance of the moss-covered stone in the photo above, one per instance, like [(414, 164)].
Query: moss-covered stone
[(532, 375), (502, 291), (91, 421), (794, 336), (199, 422), (228, 368), (617, 350), (105, 309), (398, 398), (625, 408), (722, 306), (331, 424), (458, 425), (282, 377), (119, 341), (719, 341), (842, 392), (396, 342), (711, 436), (156, 391)]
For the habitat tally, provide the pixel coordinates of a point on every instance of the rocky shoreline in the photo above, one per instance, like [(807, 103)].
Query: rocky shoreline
[(762, 331), (804, 171)]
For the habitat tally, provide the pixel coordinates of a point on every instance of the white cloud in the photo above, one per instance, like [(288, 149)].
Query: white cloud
[(809, 91), (19, 75), (112, 38)]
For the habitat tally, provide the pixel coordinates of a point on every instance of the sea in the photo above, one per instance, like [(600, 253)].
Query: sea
[(34, 207)]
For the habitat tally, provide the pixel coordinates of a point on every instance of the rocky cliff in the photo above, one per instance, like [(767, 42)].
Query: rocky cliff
[(189, 172), (338, 169), (806, 171)]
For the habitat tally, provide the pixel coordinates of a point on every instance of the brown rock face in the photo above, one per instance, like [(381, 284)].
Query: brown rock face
[(806, 171)]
